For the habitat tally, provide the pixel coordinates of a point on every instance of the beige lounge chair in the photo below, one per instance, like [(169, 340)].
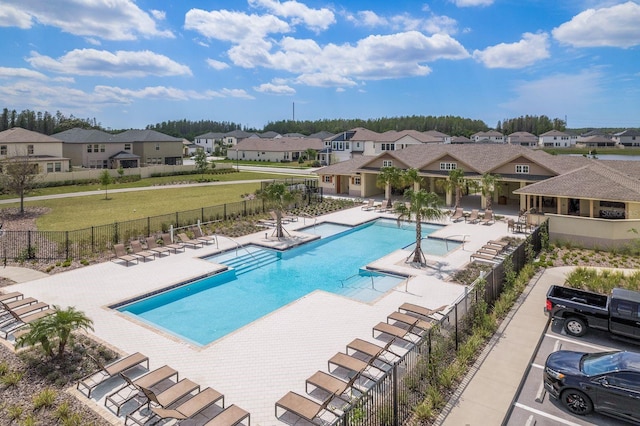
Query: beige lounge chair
[(137, 250), (18, 303), (484, 257), (19, 321), (488, 217), (354, 365), (499, 243), (10, 296), (121, 254), (369, 205), (230, 416), (162, 399), (384, 207), (371, 349), (458, 215), (207, 239), (421, 310), (166, 239), (395, 332), (304, 407), (409, 320), (474, 217), (131, 388), (191, 407), (153, 246), (121, 365), (330, 384), (184, 239)]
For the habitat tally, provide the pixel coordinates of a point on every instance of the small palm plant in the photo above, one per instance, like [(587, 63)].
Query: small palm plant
[(57, 327), (422, 205), (279, 197)]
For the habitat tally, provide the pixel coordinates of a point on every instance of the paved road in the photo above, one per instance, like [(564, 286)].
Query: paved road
[(275, 170)]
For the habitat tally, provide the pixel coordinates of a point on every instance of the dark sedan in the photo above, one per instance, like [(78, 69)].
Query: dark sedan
[(607, 382)]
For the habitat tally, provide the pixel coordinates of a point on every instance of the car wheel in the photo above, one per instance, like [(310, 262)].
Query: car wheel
[(576, 402), (575, 327)]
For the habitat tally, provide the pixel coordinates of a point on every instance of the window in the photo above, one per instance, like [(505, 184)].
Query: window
[(448, 166), (49, 167), (101, 148), (30, 149), (356, 180), (3, 150), (89, 148), (54, 167), (388, 147), (127, 147), (326, 179), (58, 167), (157, 147), (522, 169), (387, 163)]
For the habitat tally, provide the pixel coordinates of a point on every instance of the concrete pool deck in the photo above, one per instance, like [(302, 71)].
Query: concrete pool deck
[(257, 364)]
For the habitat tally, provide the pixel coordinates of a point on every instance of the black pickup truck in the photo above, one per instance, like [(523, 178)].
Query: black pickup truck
[(618, 313)]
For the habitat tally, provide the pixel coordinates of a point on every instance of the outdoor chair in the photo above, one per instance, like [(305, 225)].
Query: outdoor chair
[(166, 239), (395, 332), (354, 365), (333, 385), (18, 321), (7, 306), (488, 217), (421, 310), (371, 349), (304, 407), (207, 239), (474, 217), (121, 254), (458, 215), (189, 242), (499, 243), (191, 407), (131, 388), (137, 250), (230, 416), (121, 365), (409, 320), (9, 296), (163, 399), (11, 315), (484, 257), (369, 205), (153, 246), (384, 207)]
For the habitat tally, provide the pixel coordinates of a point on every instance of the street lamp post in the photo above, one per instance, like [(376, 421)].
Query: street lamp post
[(237, 165)]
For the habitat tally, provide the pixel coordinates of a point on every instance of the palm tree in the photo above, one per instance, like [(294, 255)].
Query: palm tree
[(310, 154), (489, 186), (422, 205), (388, 177), (279, 197), (58, 326), (412, 177), (455, 183)]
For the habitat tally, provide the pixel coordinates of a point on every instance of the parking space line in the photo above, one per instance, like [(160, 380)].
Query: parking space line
[(578, 342), (549, 416)]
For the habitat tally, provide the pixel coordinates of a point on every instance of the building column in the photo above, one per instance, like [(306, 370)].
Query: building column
[(590, 208)]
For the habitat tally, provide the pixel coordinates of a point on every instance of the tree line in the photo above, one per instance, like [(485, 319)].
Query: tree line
[(43, 122), (530, 123)]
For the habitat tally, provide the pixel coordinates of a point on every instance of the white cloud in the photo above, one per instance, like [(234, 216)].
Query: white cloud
[(315, 19), (105, 19), (217, 65), (25, 73), (233, 26), (472, 3), (12, 16), (236, 93), (159, 15), (526, 52), (372, 58), (103, 63), (615, 26), (405, 22), (275, 89)]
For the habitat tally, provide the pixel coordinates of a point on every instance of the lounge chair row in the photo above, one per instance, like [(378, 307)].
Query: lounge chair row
[(285, 219), (485, 218), (159, 394), (352, 372), (17, 311), (152, 249), (492, 252)]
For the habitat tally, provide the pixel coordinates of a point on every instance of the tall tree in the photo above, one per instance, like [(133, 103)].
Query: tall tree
[(422, 205), (387, 178), (20, 177), (310, 154), (489, 186), (278, 197), (454, 183)]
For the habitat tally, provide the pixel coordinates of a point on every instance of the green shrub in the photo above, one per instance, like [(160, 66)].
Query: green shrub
[(11, 379), (423, 411), (14, 412), (45, 399)]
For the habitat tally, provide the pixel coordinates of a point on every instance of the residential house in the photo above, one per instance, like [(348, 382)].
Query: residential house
[(461, 140), (276, 150), (95, 149), (628, 138), (556, 139), (443, 137), (596, 142), (491, 136), (522, 139), (394, 140), (154, 148), (208, 141), (44, 152), (232, 138)]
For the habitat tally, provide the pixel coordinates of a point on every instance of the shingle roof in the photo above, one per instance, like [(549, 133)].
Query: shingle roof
[(78, 135), (345, 167), (18, 134), (210, 135), (393, 136), (278, 144), (146, 136)]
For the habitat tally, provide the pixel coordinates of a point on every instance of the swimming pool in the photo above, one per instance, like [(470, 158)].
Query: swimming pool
[(260, 280)]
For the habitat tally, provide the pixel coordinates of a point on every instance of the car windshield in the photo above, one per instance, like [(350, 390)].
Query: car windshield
[(601, 363)]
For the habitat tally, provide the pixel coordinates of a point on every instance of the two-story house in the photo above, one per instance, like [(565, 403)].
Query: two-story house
[(522, 139), (44, 152), (208, 141), (491, 136), (556, 139), (281, 149), (628, 138)]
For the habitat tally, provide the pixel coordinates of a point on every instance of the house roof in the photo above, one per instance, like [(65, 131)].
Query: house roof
[(322, 135), (489, 134), (238, 134), (146, 136), (436, 134), (78, 135), (124, 155), (628, 133), (460, 139), (598, 179), (596, 139), (278, 144), (393, 136), (346, 167), (554, 133), (210, 135), (19, 135)]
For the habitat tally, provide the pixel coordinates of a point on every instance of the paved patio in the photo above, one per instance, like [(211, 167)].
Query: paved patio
[(256, 365)]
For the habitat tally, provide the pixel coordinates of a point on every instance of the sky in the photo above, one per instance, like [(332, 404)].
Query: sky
[(131, 63)]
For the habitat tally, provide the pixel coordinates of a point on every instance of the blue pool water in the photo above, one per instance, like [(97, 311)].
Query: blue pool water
[(261, 280)]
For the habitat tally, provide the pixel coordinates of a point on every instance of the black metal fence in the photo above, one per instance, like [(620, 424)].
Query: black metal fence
[(392, 399), (79, 244)]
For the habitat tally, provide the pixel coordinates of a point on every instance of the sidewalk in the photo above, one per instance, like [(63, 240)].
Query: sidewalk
[(486, 393), (21, 275)]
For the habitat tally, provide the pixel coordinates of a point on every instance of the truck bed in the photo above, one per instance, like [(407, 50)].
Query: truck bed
[(594, 300)]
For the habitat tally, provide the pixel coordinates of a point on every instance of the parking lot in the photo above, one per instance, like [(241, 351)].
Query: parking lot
[(533, 406)]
